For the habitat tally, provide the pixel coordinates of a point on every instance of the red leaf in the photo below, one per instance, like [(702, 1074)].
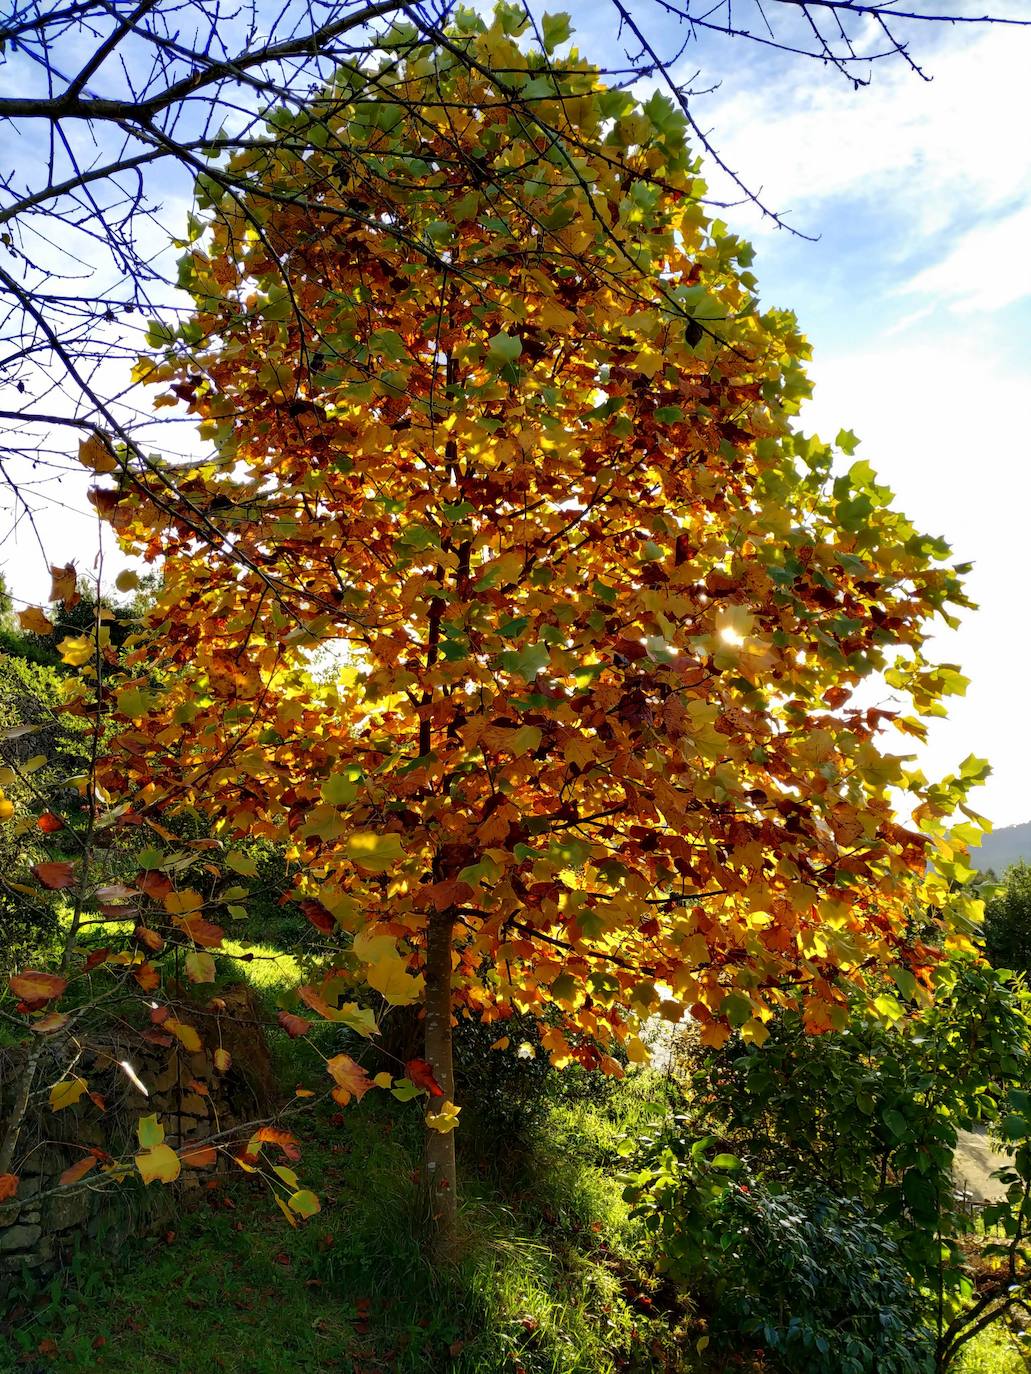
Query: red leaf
[(37, 987), (318, 916), (295, 1026), (54, 875), (421, 1074), (99, 956), (49, 823)]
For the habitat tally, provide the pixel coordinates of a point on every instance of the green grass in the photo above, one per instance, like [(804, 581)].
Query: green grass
[(546, 1283), (994, 1351)]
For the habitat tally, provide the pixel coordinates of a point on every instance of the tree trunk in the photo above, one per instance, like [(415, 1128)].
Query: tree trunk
[(440, 1181)]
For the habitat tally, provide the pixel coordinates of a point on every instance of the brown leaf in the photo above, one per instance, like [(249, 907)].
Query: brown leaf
[(55, 875), (62, 585)]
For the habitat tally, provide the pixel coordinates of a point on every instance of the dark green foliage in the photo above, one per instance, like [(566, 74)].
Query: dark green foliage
[(28, 696), (870, 1114), (1007, 921), (816, 1283)]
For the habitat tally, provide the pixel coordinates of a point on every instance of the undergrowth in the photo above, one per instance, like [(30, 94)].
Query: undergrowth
[(547, 1282)]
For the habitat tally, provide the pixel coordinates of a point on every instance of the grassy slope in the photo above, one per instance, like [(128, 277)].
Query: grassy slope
[(546, 1284)]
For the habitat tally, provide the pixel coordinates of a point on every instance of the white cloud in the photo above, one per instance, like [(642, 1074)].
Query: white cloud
[(939, 418), (936, 151), (987, 267)]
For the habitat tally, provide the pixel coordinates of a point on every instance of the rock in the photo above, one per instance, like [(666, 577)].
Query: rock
[(19, 1238)]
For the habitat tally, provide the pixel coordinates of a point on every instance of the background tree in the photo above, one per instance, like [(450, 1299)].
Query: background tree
[(1007, 921), (530, 464)]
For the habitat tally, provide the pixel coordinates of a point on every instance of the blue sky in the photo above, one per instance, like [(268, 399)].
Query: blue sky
[(915, 295)]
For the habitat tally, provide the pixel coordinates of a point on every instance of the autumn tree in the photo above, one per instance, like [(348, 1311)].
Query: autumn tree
[(514, 441)]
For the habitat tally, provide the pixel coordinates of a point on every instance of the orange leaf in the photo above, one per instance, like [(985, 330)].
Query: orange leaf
[(62, 585), (36, 622), (200, 931), (78, 1170), (49, 823), (8, 1186), (147, 976), (199, 1157), (350, 1078), (37, 987), (273, 1135)]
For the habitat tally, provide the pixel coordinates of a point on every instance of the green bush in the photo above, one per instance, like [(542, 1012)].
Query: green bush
[(815, 1282)]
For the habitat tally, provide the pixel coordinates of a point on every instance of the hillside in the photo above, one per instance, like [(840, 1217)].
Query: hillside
[(1003, 847)]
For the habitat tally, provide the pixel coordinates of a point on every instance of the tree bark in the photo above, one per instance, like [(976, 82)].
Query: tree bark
[(439, 1173)]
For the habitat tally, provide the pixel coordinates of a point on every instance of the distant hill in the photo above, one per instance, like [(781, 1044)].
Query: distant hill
[(1002, 848)]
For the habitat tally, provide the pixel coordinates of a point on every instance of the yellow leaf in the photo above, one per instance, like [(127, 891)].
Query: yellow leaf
[(76, 650), (350, 1078), (390, 977), (445, 1120), (127, 580), (67, 1092), (158, 1165), (34, 621), (181, 903), (95, 454), (637, 1050), (372, 850), (286, 1211), (222, 1059), (188, 1037), (755, 1031), (305, 1203)]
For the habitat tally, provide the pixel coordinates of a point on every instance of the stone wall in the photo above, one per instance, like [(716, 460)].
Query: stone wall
[(42, 1224)]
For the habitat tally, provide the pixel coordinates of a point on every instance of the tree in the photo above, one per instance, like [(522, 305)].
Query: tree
[(601, 612), (1007, 921), (164, 91)]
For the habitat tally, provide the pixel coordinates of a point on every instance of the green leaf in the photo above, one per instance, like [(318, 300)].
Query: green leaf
[(555, 29), (528, 662), (525, 740), (1014, 1126), (725, 1161), (372, 850), (304, 1203), (505, 348), (242, 863), (339, 790), (150, 1131)]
